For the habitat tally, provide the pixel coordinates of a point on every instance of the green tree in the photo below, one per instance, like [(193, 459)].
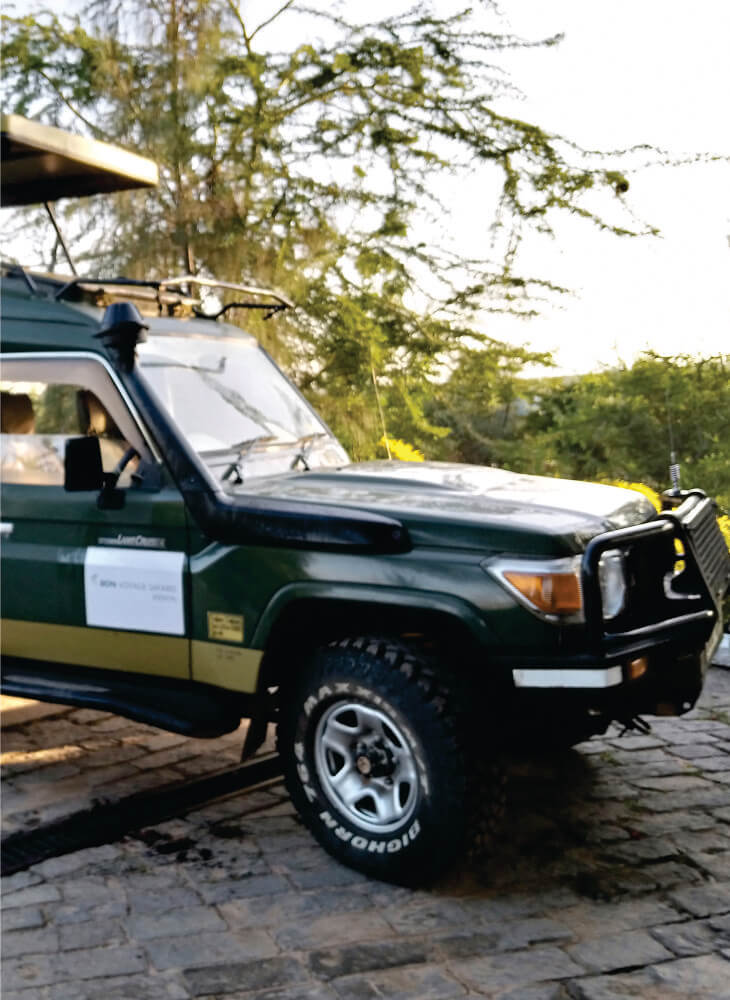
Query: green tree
[(623, 424), (304, 162)]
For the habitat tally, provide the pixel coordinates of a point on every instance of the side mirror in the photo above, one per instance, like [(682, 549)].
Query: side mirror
[(82, 465)]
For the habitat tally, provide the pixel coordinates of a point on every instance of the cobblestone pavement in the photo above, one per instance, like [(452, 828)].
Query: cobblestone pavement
[(612, 880)]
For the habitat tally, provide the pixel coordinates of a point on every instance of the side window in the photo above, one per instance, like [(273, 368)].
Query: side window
[(39, 416)]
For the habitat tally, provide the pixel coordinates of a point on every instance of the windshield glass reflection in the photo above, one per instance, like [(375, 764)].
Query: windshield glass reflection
[(236, 409)]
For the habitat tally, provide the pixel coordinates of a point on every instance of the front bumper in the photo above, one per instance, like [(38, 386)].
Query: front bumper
[(654, 656)]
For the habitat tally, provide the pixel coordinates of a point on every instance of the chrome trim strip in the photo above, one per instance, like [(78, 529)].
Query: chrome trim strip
[(92, 356), (602, 678)]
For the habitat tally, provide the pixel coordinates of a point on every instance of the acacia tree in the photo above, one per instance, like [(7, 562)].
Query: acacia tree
[(298, 153)]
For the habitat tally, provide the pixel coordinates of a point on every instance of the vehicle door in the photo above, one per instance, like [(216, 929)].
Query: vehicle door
[(84, 583)]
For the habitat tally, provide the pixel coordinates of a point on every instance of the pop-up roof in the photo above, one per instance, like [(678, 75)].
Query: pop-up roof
[(41, 163)]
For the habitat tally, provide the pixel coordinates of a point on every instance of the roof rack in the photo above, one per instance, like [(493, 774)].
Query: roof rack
[(175, 283), (192, 279)]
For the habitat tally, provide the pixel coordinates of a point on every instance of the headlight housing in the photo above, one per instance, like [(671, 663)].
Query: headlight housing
[(612, 581), (549, 588)]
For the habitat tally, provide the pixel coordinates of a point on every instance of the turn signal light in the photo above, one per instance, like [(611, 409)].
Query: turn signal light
[(553, 593), (637, 668)]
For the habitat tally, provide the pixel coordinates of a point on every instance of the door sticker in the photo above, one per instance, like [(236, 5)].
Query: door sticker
[(228, 628), (134, 589)]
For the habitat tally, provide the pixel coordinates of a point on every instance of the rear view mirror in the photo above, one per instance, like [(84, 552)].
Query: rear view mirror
[(82, 466)]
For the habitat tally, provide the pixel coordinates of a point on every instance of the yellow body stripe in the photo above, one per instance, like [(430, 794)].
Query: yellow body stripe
[(111, 649), (133, 652)]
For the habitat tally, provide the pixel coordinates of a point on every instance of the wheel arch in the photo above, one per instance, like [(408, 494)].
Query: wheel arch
[(302, 617)]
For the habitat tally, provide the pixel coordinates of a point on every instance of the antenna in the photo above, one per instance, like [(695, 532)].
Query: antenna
[(674, 472)]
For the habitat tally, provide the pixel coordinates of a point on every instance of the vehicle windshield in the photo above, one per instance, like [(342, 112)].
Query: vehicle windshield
[(235, 408)]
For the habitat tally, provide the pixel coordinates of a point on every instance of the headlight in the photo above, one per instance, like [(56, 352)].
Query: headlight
[(551, 588), (612, 580)]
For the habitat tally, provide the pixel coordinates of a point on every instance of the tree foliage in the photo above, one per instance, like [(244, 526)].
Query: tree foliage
[(299, 153), (618, 424)]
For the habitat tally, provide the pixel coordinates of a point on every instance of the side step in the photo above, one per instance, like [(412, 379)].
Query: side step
[(180, 706)]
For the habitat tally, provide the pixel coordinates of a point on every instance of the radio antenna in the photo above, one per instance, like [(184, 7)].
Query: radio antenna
[(674, 474)]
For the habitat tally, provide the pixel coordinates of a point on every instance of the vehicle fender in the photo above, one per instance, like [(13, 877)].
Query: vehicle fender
[(423, 601)]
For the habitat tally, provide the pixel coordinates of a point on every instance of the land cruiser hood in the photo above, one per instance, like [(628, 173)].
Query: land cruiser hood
[(466, 506)]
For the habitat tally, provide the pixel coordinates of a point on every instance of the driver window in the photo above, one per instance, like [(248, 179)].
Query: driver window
[(37, 420)]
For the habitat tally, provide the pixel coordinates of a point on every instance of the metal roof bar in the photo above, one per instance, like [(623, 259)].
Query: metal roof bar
[(191, 279)]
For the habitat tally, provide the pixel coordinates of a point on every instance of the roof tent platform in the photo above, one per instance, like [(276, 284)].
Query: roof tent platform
[(41, 163)]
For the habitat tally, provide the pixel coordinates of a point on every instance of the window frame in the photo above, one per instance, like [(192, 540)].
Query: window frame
[(35, 359)]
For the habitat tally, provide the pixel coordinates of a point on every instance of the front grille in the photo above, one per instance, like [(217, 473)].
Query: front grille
[(708, 545)]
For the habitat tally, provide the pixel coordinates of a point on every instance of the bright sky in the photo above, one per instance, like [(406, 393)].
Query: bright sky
[(628, 72), (633, 71)]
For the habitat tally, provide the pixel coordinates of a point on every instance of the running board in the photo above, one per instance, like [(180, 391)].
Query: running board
[(180, 706)]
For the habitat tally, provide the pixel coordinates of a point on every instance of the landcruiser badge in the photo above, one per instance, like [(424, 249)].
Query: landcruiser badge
[(228, 628), (134, 541)]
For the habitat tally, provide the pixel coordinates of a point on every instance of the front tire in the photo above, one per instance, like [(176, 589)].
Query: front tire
[(375, 758)]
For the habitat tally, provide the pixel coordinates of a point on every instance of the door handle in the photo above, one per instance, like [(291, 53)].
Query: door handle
[(6, 528)]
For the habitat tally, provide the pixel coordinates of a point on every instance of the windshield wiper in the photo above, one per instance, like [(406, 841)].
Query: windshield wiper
[(305, 445), (243, 448)]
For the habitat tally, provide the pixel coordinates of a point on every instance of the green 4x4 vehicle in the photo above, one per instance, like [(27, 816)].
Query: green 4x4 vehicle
[(186, 543)]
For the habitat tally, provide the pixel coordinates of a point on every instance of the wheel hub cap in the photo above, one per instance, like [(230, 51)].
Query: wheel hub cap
[(366, 766)]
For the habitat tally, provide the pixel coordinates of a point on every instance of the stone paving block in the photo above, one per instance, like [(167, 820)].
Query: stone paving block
[(643, 850), (139, 987), (697, 798), (511, 936), (332, 963), (319, 992), (108, 777), (331, 930), (66, 863), (32, 896), (721, 762), (34, 993), (173, 898), (422, 915), (90, 890), (673, 873), (265, 911), (189, 920), (209, 948), (243, 888), (618, 951), (91, 934), (674, 783), (33, 941), (593, 919), (29, 973), (513, 969), (94, 963), (704, 900), (632, 986), (20, 880), (706, 976), (326, 877), (426, 983), (695, 937), (636, 743), (88, 716), (22, 917), (239, 977), (692, 752), (79, 913)]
